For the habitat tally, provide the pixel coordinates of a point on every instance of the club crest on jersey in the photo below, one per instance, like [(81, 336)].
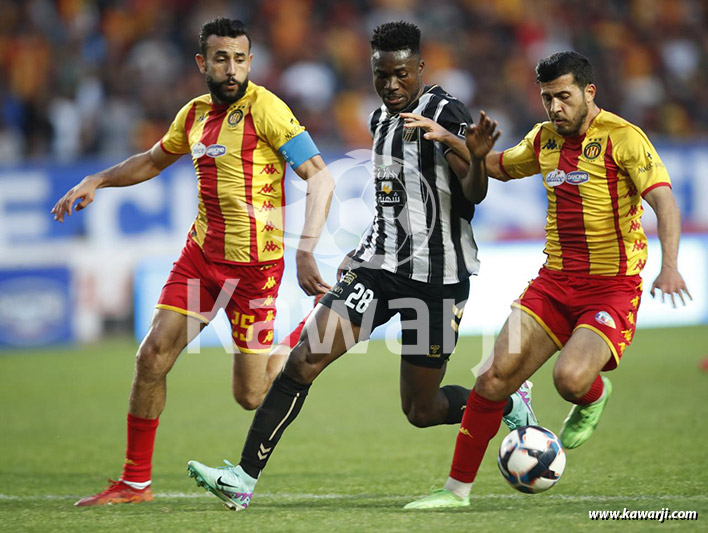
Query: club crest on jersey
[(555, 177), (592, 150), (198, 150), (603, 317), (577, 177), (215, 150), (234, 117)]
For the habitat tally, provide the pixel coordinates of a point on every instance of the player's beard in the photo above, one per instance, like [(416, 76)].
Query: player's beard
[(573, 128), (217, 89)]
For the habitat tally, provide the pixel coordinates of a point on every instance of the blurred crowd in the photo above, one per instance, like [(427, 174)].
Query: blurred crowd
[(105, 77)]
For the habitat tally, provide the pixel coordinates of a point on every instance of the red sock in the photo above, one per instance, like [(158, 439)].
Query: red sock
[(138, 453), (479, 425), (596, 390)]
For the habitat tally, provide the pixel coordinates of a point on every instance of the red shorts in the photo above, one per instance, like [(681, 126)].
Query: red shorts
[(562, 303), (198, 287), (294, 336)]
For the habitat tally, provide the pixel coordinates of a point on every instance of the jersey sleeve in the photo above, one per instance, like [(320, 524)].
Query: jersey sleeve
[(455, 118), (276, 123), (635, 154), (175, 140), (521, 160)]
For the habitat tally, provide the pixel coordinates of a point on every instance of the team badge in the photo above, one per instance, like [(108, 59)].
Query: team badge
[(592, 150), (234, 117), (198, 150), (603, 317)]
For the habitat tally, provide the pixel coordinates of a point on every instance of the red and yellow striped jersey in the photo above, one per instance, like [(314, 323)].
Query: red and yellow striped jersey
[(594, 184), (240, 172)]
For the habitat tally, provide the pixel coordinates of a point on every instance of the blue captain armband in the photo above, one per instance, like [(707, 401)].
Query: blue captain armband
[(299, 149)]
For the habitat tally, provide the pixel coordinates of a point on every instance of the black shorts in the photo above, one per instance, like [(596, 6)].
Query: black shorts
[(430, 313)]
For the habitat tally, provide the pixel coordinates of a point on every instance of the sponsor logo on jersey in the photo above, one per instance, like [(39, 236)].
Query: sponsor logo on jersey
[(555, 177), (215, 150), (592, 150), (603, 317), (577, 177), (198, 150)]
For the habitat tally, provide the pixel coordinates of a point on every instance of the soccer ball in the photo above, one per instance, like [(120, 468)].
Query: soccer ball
[(531, 459)]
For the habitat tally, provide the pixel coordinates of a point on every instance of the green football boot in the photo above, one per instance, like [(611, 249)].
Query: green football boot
[(228, 483), (439, 499), (582, 419), (521, 412)]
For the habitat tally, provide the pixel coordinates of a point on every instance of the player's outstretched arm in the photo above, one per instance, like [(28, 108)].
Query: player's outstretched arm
[(457, 156), (669, 281), (320, 187), (480, 139), (135, 169)]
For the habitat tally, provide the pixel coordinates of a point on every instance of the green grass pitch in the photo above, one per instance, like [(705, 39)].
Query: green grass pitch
[(351, 460)]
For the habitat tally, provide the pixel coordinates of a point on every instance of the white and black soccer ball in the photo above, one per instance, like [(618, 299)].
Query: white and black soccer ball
[(531, 459)]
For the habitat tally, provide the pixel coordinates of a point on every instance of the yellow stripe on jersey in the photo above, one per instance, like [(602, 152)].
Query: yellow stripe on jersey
[(594, 185), (240, 172)]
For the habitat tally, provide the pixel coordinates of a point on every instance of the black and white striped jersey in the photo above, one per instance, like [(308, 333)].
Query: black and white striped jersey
[(421, 228)]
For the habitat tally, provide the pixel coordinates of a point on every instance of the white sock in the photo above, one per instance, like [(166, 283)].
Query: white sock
[(458, 488), (136, 485)]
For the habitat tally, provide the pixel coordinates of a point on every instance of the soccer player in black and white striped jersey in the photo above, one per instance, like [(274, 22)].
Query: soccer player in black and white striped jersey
[(415, 260)]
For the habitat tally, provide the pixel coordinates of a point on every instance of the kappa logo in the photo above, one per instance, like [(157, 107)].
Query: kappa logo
[(267, 206), (215, 150), (269, 169), (550, 145), (555, 177), (603, 317), (267, 189), (198, 150), (270, 246)]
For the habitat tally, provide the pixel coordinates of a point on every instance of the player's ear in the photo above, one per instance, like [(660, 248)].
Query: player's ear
[(250, 61), (421, 66), (590, 89), (201, 63)]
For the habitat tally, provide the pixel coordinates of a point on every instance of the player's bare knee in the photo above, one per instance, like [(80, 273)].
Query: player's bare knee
[(493, 386), (152, 362), (248, 399), (300, 366), (421, 416), (571, 384)]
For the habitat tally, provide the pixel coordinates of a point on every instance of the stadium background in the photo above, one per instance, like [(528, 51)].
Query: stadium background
[(84, 84)]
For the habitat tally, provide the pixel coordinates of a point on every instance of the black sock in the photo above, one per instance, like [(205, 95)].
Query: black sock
[(279, 408), (509, 406), (457, 400)]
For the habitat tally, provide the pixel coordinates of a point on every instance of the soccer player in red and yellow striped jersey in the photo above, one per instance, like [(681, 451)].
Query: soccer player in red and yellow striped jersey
[(240, 137), (596, 168)]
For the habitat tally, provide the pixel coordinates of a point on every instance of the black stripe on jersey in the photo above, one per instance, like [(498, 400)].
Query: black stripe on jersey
[(375, 116), (380, 254), (426, 163), (404, 244), (461, 212)]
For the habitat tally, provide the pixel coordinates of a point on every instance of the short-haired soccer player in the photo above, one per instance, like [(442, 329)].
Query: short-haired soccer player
[(596, 168), (240, 136), (416, 260)]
